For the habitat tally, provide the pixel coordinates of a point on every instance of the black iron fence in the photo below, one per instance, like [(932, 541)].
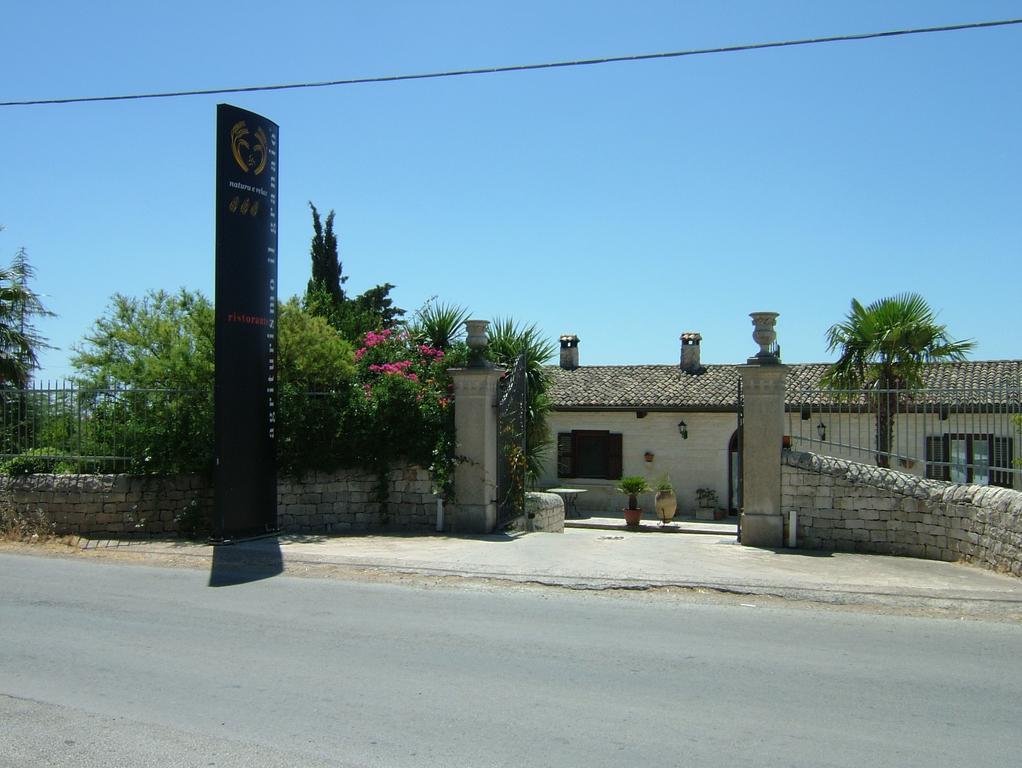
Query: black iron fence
[(67, 428), (961, 435)]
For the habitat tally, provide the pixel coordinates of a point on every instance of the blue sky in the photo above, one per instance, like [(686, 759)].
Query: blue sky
[(625, 203)]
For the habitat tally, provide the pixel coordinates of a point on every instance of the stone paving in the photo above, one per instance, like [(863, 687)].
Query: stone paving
[(597, 558)]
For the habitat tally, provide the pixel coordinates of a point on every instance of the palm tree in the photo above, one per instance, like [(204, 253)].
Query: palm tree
[(438, 324), (509, 340), (884, 347)]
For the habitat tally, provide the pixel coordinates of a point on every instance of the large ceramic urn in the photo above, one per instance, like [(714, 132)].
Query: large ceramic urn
[(666, 506)]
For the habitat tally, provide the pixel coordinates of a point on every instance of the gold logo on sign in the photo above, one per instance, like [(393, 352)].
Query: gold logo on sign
[(244, 207), (249, 149)]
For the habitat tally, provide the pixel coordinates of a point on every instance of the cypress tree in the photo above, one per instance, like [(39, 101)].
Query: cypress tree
[(326, 265), (325, 297)]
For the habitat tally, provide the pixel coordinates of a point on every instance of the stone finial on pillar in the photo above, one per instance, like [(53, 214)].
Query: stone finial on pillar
[(477, 341), (764, 334), (763, 382)]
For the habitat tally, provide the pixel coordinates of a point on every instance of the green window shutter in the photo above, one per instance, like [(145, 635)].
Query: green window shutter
[(614, 456), (565, 465), (936, 458), (1002, 458)]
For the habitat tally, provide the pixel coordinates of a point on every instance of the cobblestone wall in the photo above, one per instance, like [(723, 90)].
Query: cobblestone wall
[(123, 505), (847, 506)]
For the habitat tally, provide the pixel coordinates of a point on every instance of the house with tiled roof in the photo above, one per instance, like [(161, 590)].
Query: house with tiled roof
[(682, 420)]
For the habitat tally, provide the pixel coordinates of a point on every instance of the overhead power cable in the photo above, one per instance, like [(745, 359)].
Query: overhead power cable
[(518, 67)]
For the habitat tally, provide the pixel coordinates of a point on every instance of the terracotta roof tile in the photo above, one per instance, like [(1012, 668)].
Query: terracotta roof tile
[(715, 387)]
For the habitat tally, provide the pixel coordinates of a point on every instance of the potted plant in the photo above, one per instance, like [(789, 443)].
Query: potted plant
[(707, 498), (666, 501), (632, 486)]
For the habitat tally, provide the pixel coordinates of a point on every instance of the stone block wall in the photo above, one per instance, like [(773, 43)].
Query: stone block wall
[(344, 500), (323, 502), (847, 506), (123, 505), (547, 510), (116, 505), (543, 512)]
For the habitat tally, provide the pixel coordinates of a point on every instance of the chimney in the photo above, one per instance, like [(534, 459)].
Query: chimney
[(690, 352), (569, 352)]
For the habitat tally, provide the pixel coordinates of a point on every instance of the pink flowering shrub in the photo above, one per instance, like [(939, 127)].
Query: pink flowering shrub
[(394, 353), (401, 407)]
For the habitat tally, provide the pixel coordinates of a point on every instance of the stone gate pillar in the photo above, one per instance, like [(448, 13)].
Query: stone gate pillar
[(763, 381), (475, 424)]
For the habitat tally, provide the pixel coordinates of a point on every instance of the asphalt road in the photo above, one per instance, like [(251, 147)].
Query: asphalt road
[(127, 665)]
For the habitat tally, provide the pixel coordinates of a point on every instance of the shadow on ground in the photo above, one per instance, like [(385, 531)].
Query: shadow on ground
[(796, 552), (245, 562), (498, 537)]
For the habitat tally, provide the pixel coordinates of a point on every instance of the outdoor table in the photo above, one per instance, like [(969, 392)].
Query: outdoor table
[(570, 496)]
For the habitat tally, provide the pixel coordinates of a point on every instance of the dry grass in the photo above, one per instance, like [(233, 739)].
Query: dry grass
[(25, 526)]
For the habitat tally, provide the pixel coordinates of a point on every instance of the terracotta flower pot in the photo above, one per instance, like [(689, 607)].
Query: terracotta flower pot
[(632, 516)]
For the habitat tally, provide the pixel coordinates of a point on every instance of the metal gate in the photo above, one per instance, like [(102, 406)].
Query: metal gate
[(512, 409)]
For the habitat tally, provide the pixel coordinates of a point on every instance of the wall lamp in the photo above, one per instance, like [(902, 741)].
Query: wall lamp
[(821, 430), (683, 430)]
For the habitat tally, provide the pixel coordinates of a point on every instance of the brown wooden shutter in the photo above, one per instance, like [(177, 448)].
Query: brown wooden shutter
[(614, 460), (565, 465), (1001, 458), (936, 458)]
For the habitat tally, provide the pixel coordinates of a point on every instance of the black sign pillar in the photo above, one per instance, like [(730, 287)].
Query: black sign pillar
[(246, 324)]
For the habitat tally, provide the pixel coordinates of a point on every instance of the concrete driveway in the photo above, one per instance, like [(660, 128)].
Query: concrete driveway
[(608, 559)]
